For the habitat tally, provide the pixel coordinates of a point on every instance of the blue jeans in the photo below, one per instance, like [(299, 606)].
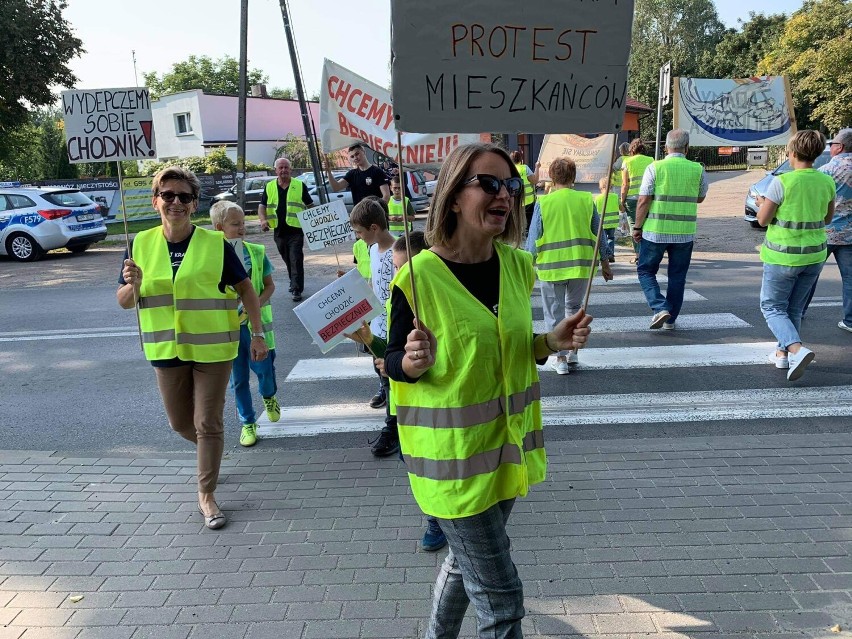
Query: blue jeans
[(783, 295), (610, 241), (264, 370), (843, 256), (478, 569), (650, 256)]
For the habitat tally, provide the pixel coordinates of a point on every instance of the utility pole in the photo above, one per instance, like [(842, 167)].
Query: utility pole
[(241, 106), (303, 105), (663, 98), (135, 77)]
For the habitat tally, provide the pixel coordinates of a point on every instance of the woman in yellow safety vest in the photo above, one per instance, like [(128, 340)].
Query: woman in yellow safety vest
[(632, 171), (795, 209), (530, 179), (465, 382), (185, 281)]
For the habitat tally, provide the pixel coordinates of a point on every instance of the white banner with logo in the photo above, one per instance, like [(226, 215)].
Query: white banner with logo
[(353, 109), (591, 155), (326, 225)]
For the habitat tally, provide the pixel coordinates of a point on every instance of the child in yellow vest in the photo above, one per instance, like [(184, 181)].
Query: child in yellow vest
[(608, 205), (230, 219), (395, 205)]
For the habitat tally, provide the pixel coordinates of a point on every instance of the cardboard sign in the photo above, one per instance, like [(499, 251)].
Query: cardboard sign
[(326, 225), (108, 125), (354, 109), (591, 155), (538, 66), (337, 309)]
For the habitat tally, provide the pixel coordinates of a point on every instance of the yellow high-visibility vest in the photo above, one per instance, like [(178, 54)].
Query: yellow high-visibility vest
[(608, 209), (636, 165), (674, 209), (256, 254), (294, 203), (529, 187), (395, 209), (566, 248)]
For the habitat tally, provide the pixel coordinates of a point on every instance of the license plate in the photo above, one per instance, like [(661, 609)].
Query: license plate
[(86, 217)]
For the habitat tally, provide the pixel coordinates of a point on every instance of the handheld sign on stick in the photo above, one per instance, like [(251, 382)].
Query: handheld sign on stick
[(110, 125), (405, 223)]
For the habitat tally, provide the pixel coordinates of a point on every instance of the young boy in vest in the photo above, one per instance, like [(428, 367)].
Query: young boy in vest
[(607, 204), (370, 223), (230, 219), (396, 221)]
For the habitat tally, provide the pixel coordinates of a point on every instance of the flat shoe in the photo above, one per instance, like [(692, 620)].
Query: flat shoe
[(214, 521)]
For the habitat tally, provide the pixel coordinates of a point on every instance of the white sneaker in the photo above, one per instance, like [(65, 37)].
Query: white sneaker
[(780, 361), (843, 326), (668, 326), (560, 366), (798, 362), (572, 358), (660, 318)]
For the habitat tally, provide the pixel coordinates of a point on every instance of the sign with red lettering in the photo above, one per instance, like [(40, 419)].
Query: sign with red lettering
[(537, 66), (353, 109), (338, 308), (108, 125)]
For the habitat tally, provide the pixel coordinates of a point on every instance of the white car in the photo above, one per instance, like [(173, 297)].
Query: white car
[(36, 220)]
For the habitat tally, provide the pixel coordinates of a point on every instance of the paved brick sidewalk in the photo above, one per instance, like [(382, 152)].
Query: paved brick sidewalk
[(664, 538)]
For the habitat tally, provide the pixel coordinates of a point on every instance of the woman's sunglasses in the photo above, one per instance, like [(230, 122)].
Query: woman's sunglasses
[(169, 196), (491, 184)]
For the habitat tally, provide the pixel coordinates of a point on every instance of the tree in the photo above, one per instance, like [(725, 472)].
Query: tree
[(739, 52), (35, 49), (37, 149), (815, 53), (295, 149), (676, 30), (201, 72)]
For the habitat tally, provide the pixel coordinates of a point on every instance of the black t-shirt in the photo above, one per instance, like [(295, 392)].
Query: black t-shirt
[(233, 272), (281, 210), (364, 183)]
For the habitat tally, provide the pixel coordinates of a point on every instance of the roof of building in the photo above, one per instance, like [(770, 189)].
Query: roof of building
[(635, 105)]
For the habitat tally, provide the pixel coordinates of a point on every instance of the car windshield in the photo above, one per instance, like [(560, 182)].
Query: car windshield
[(820, 161), (67, 198)]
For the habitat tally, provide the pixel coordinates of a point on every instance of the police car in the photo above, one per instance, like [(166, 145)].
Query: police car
[(36, 220)]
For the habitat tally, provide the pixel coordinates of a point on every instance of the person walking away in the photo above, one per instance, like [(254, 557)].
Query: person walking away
[(231, 220), (280, 202), (666, 221), (395, 210), (608, 205), (530, 179), (633, 168), (562, 241), (795, 209)]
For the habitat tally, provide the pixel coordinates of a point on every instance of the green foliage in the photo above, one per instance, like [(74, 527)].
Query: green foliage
[(35, 48), (217, 161), (258, 166), (287, 93), (201, 72), (815, 53), (295, 149), (739, 52), (36, 149)]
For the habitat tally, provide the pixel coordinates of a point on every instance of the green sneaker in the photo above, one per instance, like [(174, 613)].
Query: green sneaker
[(273, 410), (249, 435)]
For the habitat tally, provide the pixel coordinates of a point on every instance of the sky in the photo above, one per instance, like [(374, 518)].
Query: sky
[(162, 32)]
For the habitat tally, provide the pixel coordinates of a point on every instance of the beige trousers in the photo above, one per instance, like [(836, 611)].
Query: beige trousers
[(194, 399)]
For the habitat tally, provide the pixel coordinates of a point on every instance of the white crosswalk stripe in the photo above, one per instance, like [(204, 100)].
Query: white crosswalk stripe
[(689, 322)]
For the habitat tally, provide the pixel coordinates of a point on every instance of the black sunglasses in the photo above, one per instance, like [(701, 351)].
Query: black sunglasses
[(491, 184), (169, 197)]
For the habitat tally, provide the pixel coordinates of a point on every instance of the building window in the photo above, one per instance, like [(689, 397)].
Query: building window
[(182, 124)]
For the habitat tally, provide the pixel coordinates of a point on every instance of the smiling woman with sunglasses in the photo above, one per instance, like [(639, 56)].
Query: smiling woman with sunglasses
[(186, 280), (466, 384)]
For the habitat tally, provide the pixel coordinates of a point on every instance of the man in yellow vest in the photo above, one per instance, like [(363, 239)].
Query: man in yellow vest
[(666, 220), (282, 199)]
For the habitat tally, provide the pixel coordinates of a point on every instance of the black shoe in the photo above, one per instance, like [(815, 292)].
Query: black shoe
[(378, 400), (297, 297), (387, 444)]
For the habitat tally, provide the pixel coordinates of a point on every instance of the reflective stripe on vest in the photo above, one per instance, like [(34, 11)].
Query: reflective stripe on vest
[(796, 237), (362, 258), (566, 248), (256, 254), (395, 209), (294, 203), (674, 209), (186, 317), (636, 165), (471, 439), (529, 187), (609, 210)]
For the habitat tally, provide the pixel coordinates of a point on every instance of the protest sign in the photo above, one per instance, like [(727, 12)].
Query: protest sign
[(108, 125), (538, 66), (337, 309), (591, 155), (354, 109), (326, 225)]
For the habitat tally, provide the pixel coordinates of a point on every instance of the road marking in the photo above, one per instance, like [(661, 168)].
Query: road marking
[(680, 356), (619, 279), (65, 331), (90, 333), (578, 410), (696, 322), (601, 298)]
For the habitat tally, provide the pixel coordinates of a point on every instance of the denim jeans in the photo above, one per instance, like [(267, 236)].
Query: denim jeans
[(478, 569), (782, 299), (650, 256), (291, 248), (843, 256), (610, 240), (264, 370)]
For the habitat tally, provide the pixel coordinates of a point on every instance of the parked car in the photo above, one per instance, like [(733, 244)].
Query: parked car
[(254, 189), (760, 187), (36, 220)]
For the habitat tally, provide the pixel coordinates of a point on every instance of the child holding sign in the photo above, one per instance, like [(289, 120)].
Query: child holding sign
[(230, 219)]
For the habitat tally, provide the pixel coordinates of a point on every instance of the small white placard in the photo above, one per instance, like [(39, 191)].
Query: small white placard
[(326, 225)]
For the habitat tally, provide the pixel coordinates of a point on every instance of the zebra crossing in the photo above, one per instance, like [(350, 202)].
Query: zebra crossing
[(691, 350)]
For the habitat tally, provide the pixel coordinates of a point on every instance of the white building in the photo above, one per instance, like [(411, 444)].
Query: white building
[(193, 123)]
